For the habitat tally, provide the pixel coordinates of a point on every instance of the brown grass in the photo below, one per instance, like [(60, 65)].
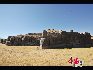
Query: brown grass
[(33, 56)]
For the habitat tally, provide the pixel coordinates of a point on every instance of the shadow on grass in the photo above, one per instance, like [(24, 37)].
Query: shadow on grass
[(65, 47)]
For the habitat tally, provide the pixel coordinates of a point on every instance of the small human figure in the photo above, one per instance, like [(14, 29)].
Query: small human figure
[(41, 42)]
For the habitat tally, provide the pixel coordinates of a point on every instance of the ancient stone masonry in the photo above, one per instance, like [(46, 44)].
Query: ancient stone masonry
[(24, 40), (52, 39), (61, 39)]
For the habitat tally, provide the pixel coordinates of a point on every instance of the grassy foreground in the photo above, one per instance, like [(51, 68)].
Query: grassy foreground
[(33, 56)]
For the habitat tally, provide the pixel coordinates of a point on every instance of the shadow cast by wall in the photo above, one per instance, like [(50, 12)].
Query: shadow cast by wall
[(66, 46)]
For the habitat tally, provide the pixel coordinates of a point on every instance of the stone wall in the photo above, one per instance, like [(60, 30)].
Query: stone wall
[(24, 40), (55, 38)]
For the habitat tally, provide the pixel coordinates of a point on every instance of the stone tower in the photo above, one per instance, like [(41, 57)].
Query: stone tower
[(44, 34)]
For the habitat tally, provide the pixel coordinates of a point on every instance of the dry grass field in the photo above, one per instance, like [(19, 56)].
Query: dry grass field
[(33, 56)]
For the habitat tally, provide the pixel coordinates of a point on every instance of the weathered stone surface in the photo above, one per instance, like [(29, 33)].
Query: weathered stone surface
[(52, 38), (24, 40), (75, 39)]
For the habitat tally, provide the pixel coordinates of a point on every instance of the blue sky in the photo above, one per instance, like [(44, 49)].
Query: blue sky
[(26, 18)]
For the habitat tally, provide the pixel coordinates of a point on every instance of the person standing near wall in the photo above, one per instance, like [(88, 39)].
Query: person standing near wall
[(41, 42)]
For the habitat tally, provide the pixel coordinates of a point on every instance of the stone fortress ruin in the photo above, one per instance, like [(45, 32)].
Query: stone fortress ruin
[(52, 39), (63, 39)]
